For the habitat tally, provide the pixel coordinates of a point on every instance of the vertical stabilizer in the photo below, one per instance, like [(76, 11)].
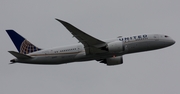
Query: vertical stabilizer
[(22, 45)]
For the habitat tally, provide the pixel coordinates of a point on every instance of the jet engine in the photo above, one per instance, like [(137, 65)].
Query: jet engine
[(116, 46), (113, 61)]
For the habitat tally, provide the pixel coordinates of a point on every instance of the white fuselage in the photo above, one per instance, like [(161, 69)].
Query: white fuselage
[(74, 53)]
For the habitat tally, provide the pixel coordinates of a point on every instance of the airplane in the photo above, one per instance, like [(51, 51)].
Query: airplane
[(109, 52)]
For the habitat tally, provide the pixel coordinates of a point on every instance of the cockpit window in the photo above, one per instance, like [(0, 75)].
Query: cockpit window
[(165, 36)]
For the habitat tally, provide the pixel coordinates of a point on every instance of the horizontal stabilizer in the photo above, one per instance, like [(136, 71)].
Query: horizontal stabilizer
[(19, 55)]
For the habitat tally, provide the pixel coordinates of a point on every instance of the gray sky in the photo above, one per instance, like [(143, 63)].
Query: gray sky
[(154, 72)]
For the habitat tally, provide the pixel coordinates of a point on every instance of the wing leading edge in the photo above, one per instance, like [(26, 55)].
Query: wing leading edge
[(90, 43)]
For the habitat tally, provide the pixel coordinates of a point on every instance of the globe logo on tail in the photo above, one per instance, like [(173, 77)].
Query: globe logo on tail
[(27, 47)]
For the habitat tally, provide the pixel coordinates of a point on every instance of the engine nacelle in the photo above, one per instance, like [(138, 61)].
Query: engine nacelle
[(116, 46), (113, 61)]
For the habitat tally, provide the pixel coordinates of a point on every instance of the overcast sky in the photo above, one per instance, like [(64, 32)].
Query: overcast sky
[(154, 72)]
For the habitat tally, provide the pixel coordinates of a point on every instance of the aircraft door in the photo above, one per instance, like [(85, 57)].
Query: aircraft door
[(46, 52), (79, 48), (126, 48), (156, 37)]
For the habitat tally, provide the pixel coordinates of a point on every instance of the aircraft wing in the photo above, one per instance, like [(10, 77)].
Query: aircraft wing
[(90, 43)]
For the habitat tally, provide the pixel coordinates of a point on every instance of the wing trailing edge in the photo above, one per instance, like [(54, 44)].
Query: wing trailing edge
[(91, 44)]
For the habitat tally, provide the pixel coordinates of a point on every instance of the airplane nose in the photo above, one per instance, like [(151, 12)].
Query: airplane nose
[(167, 42), (173, 41)]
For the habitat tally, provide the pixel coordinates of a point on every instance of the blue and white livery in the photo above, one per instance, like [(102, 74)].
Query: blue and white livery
[(109, 52)]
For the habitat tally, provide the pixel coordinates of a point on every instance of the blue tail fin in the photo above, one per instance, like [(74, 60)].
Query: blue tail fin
[(22, 45)]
